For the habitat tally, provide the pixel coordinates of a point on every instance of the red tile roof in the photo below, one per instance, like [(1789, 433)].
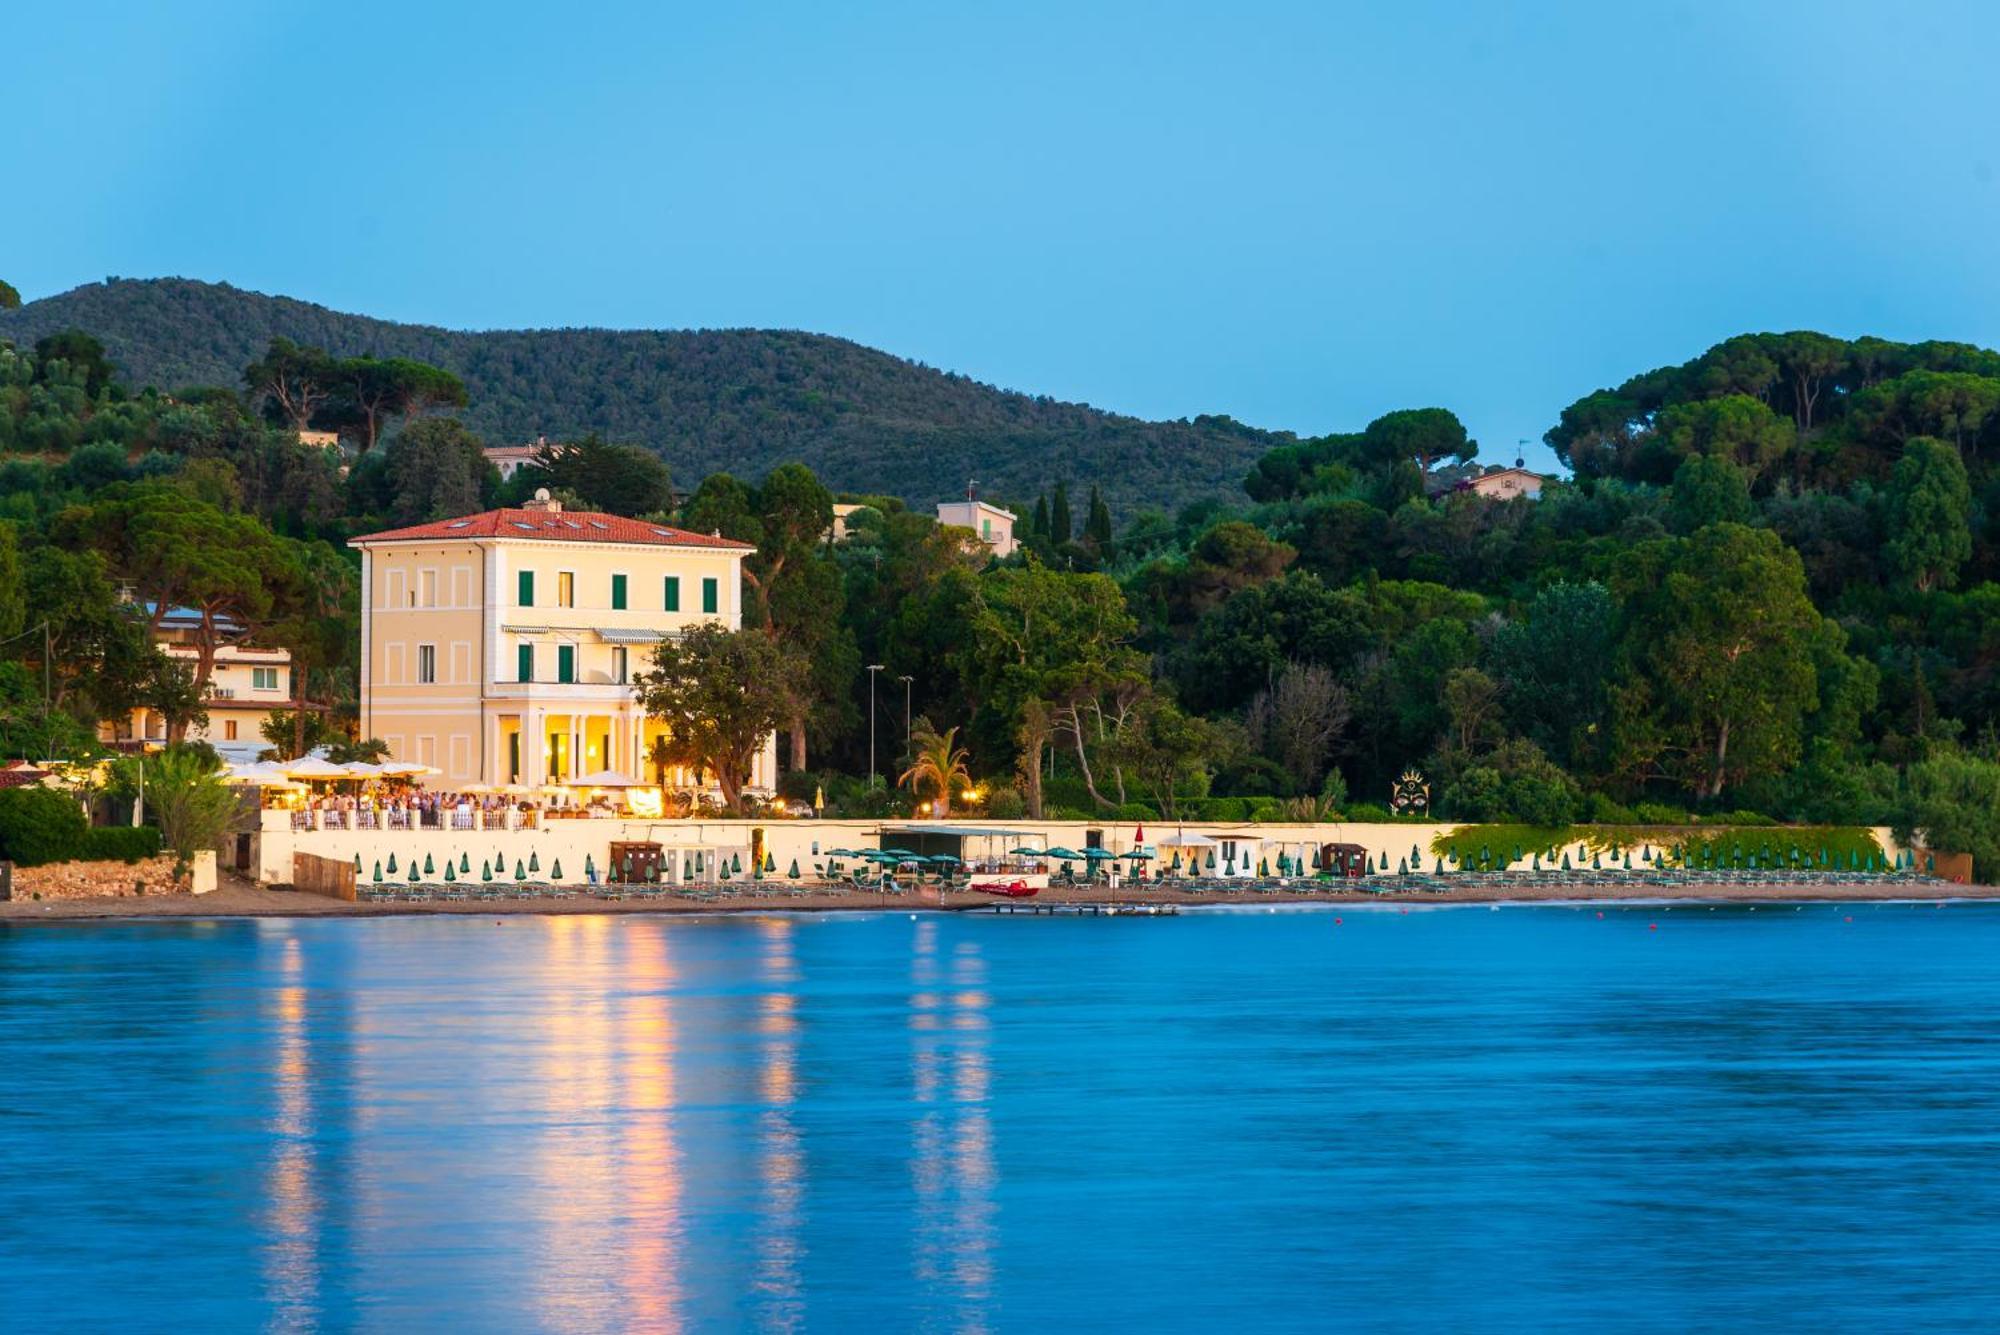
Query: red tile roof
[(549, 526)]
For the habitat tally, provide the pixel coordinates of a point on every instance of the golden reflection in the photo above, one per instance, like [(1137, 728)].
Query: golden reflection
[(291, 1189), (952, 1156), (780, 1158), (650, 1157)]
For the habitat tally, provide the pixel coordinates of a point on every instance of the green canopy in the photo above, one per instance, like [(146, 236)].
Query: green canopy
[(1064, 854), (520, 870), (378, 873), (555, 870)]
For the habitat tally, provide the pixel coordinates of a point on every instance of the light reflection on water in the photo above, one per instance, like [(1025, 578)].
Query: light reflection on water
[(1465, 1118)]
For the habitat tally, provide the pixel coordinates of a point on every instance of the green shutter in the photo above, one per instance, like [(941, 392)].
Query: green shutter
[(708, 595), (565, 662), (526, 597), (673, 593), (524, 657), (617, 593)]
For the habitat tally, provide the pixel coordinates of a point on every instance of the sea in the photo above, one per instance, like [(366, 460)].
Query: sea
[(1577, 1117)]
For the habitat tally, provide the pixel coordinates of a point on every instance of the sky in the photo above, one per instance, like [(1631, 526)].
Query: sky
[(1298, 214)]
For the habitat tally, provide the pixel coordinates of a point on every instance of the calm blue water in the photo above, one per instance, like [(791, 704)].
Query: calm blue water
[(1533, 1117)]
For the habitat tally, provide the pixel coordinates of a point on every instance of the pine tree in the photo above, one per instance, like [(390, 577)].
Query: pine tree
[(1038, 525), (1098, 526), (1060, 528)]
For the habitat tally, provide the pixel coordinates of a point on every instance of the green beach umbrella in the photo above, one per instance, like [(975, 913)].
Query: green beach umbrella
[(1263, 867), (520, 870), (555, 870), (485, 871), (378, 871), (1402, 867), (413, 872), (534, 862), (589, 868), (450, 871), (770, 861), (793, 870), (1566, 859), (392, 864), (357, 864), (1416, 855), (430, 868), (1439, 869), (1211, 859), (465, 864)]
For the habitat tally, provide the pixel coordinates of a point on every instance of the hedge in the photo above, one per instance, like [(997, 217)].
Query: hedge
[(120, 843), (1669, 845)]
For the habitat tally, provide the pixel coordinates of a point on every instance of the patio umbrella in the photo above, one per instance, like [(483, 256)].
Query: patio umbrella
[(450, 871), (430, 868), (555, 870), (313, 769), (607, 778), (520, 870), (793, 872), (406, 769), (378, 873), (589, 868), (413, 873), (257, 776), (392, 864), (534, 861), (357, 864), (464, 865), (485, 871)]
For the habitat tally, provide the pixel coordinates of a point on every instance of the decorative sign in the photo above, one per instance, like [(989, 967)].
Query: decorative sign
[(1410, 795)]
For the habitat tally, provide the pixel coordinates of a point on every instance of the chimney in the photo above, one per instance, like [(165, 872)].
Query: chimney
[(544, 502), (972, 489)]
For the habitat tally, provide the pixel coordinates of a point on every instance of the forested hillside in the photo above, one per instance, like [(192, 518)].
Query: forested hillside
[(742, 399)]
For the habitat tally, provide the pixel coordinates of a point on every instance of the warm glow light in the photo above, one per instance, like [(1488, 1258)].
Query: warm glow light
[(644, 802)]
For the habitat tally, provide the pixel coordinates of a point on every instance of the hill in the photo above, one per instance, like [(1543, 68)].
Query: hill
[(740, 400)]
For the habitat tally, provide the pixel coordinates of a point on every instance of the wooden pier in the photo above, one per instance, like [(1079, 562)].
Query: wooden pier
[(1086, 910)]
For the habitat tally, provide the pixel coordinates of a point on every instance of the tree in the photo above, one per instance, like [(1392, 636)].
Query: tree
[(1709, 489), (292, 382), (10, 296), (1097, 525), (13, 597), (1736, 427), (620, 479), (1168, 752), (368, 391), (1951, 803), (436, 469), (1061, 530), (720, 693), (1554, 665), (195, 808), (1423, 436), (173, 690), (1929, 506), (82, 355), (939, 765), (1297, 721), (1721, 629)]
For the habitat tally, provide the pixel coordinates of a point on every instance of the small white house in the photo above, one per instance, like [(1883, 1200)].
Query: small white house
[(994, 526)]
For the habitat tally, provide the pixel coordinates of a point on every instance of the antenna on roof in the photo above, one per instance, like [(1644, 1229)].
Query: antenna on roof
[(1521, 452)]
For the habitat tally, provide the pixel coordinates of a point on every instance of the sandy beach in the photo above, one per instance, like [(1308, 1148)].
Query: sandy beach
[(237, 897)]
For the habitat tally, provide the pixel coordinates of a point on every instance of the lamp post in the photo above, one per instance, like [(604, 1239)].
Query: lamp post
[(906, 679), (873, 668)]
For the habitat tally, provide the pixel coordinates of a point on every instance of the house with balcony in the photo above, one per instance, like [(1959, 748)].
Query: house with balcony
[(501, 648), (991, 524), (248, 684)]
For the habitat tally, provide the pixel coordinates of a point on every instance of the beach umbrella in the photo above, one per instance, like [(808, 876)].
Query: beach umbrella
[(378, 871), (555, 870), (392, 864), (485, 871), (793, 870), (1284, 864), (413, 872), (770, 861), (1538, 860), (534, 862), (1415, 856), (1211, 859), (1263, 867), (736, 864), (450, 871), (313, 769), (464, 864), (589, 868), (1402, 867), (1439, 869), (1565, 859), (430, 868), (520, 870), (357, 864)]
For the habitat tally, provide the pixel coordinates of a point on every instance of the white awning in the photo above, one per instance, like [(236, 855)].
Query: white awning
[(625, 635)]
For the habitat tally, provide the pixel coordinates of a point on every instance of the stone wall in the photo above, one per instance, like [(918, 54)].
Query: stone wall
[(98, 880)]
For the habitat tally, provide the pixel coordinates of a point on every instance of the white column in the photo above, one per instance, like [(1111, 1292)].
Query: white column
[(532, 742)]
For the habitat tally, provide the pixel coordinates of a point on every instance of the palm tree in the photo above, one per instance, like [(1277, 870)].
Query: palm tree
[(939, 763)]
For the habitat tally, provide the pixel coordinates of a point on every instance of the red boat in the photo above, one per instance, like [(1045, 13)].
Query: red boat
[(1007, 889)]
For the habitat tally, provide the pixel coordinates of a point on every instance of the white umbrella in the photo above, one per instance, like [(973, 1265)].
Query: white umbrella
[(406, 769), (361, 769), (607, 778), (1185, 841), (256, 776), (312, 767)]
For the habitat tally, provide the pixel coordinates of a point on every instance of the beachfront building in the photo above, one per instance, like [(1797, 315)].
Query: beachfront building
[(247, 685), (500, 648), (993, 525)]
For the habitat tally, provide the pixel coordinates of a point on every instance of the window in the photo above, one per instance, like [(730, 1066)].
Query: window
[(429, 583), (427, 664), (618, 665), (524, 658), (513, 757), (526, 596), (263, 679), (566, 589), (565, 662), (229, 730), (673, 593), (986, 529), (708, 594), (617, 593)]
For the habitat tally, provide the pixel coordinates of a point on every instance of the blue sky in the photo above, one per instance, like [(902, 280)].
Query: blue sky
[(1302, 215)]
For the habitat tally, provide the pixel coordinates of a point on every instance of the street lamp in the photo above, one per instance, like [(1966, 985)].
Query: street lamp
[(906, 679), (873, 668)]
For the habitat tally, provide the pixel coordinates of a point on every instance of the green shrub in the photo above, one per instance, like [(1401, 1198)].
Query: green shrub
[(1367, 812), (1225, 809), (1136, 811), (1269, 812), (1657, 813), (798, 785), (1604, 811), (121, 843), (40, 825), (1006, 804), (1738, 818)]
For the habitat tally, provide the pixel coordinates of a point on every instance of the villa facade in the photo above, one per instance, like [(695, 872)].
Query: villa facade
[(247, 684), (501, 648), (993, 525)]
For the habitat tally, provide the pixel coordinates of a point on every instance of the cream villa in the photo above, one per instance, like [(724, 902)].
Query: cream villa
[(500, 648), (246, 684)]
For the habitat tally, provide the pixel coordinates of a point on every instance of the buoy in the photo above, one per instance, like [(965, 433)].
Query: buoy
[(1600, 914), (1652, 927), (1338, 921), (1848, 918)]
